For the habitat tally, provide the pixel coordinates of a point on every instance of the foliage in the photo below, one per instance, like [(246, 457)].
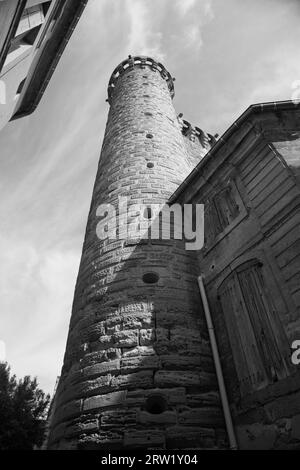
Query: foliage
[(23, 411)]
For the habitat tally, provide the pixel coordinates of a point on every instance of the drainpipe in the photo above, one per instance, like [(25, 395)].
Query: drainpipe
[(220, 378)]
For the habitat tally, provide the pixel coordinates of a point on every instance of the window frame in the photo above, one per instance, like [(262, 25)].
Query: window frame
[(211, 242)]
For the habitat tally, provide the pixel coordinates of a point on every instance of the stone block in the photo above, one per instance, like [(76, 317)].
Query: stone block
[(105, 342), (183, 334), (143, 379), (176, 378), (138, 321), (162, 334), (99, 356), (104, 401), (203, 399), (139, 351), (131, 364), (68, 411), (88, 426), (283, 407), (147, 336), (180, 437), (126, 339), (167, 417), (101, 440), (102, 368), (94, 387), (144, 438), (86, 388), (94, 332), (211, 416), (93, 357), (118, 418), (175, 361), (256, 436), (167, 319)]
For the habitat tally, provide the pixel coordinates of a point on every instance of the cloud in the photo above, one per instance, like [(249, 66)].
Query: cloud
[(193, 37), (149, 30), (184, 6), (35, 302), (192, 17), (142, 38)]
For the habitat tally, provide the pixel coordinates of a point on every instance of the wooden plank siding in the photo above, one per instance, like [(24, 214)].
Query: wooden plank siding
[(259, 314), (251, 166), (271, 188)]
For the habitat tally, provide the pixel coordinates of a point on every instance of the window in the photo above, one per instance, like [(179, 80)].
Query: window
[(259, 345), (289, 150), (220, 211), (28, 30), (31, 18)]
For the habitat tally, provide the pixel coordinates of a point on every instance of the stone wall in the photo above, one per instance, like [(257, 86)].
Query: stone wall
[(138, 369)]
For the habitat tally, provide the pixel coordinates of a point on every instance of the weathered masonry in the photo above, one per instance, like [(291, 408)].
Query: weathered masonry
[(138, 369)]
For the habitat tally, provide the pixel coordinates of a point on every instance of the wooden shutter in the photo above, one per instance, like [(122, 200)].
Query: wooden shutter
[(259, 345), (249, 366), (226, 207), (270, 338)]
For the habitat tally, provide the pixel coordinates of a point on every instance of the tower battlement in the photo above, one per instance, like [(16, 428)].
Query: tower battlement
[(139, 62), (194, 132)]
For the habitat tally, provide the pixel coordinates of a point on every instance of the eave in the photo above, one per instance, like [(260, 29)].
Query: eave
[(44, 67), (11, 31), (253, 110)]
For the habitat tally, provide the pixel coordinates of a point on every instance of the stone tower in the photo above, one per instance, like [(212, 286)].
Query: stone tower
[(138, 369)]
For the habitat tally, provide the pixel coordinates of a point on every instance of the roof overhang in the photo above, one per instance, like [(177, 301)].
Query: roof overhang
[(46, 60), (254, 111), (14, 10)]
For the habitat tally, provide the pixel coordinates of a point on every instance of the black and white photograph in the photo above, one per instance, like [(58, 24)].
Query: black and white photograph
[(149, 229)]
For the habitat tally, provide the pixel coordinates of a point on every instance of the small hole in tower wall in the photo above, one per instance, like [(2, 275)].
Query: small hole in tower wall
[(156, 404), (150, 278), (150, 165), (149, 136)]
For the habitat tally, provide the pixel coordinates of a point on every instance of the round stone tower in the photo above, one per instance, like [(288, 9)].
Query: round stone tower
[(138, 369)]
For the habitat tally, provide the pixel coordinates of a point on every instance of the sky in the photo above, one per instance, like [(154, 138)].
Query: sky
[(224, 54)]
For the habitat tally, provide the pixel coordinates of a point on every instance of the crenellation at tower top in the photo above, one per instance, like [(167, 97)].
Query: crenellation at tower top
[(197, 142), (139, 62)]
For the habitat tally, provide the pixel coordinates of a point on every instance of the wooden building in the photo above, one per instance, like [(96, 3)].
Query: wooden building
[(250, 184)]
